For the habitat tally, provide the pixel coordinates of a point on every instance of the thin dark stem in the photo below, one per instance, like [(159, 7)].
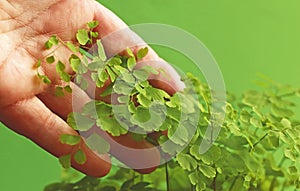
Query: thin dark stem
[(142, 178), (262, 138), (167, 176), (215, 182), (231, 186), (192, 187), (133, 177)]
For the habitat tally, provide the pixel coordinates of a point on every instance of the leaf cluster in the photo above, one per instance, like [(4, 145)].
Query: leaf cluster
[(258, 147)]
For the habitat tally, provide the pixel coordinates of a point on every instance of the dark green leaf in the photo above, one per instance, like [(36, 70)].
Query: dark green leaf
[(68, 89), (107, 91), (50, 59), (65, 161), (59, 92), (139, 186), (80, 157)]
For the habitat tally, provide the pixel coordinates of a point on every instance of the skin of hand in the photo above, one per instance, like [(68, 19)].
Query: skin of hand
[(28, 106)]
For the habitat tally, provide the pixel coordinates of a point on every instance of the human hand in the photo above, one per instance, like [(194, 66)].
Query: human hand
[(28, 106)]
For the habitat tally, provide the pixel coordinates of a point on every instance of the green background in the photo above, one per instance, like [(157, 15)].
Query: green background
[(245, 37)]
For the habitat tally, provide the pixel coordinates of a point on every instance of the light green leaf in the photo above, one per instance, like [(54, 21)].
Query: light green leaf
[(60, 67), (194, 178), (79, 121), (94, 76), (178, 134), (156, 94), (142, 53), (201, 186), (234, 129), (207, 171), (51, 42), (38, 63), (114, 61), (174, 113), (281, 112), (94, 34), (70, 139), (98, 144), (74, 62), (129, 51), (290, 154), (140, 89), (143, 100), (123, 99), (211, 156), (131, 107), (186, 161), (80, 157), (103, 76), (111, 74), (245, 116), (101, 51), (111, 125), (82, 36), (131, 62), (65, 161), (274, 141), (256, 122), (286, 123), (141, 75), (93, 24), (96, 65), (84, 84), (149, 69), (121, 87), (45, 79), (141, 115)]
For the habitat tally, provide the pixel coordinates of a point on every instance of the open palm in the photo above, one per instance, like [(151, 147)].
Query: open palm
[(27, 105)]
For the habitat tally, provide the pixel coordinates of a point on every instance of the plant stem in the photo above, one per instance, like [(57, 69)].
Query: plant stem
[(215, 182), (232, 185), (167, 176), (133, 177), (192, 187), (262, 138)]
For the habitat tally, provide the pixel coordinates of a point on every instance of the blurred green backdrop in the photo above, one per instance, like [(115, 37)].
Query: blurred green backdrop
[(245, 37)]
